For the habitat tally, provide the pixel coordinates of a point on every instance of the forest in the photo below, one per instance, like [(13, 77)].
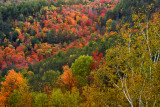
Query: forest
[(79, 53)]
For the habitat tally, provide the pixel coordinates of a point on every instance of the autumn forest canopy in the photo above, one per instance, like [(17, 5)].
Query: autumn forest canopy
[(79, 53)]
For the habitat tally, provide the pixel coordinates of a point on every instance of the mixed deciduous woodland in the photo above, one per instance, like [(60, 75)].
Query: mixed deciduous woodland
[(79, 53)]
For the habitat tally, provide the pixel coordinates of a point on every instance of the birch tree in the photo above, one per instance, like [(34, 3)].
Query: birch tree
[(131, 66)]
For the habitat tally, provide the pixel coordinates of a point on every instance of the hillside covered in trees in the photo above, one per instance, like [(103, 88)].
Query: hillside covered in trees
[(79, 53)]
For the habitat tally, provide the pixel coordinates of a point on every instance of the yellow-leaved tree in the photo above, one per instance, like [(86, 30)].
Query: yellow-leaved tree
[(132, 66)]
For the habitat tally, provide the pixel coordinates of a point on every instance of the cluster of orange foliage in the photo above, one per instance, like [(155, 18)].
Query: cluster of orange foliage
[(13, 81), (67, 78)]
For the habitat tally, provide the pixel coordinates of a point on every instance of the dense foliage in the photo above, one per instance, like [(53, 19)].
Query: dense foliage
[(79, 53)]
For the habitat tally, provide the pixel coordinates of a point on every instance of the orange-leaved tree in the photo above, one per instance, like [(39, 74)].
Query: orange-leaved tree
[(67, 79), (13, 81)]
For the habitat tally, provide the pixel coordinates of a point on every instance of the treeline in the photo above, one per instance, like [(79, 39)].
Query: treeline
[(18, 11), (123, 10)]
